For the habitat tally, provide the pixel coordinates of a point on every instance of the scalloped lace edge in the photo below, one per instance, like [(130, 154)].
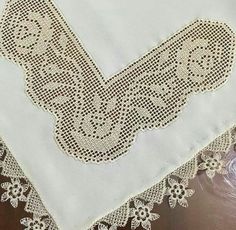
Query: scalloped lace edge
[(216, 151)]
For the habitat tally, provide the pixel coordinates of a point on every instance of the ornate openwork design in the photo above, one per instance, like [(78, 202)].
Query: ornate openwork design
[(97, 120)]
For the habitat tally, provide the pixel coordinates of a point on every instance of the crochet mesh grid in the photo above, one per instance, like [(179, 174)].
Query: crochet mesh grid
[(97, 120)]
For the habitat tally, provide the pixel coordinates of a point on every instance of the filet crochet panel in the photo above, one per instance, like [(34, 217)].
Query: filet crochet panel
[(97, 119)]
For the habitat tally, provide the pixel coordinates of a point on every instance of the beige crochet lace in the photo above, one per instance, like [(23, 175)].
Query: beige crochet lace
[(175, 186), (97, 120), (21, 190)]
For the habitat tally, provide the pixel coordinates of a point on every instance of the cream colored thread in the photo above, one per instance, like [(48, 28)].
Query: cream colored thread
[(32, 203), (155, 195), (97, 120)]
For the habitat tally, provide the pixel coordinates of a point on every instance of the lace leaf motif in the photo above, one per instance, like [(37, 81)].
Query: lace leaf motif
[(97, 120)]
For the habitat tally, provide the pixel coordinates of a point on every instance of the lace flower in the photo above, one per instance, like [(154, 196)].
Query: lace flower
[(33, 33), (212, 164), (104, 227), (195, 60), (142, 215), (35, 223), (15, 192), (178, 192)]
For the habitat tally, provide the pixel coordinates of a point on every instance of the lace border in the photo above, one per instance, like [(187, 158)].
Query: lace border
[(97, 120), (139, 208), (174, 186), (20, 189)]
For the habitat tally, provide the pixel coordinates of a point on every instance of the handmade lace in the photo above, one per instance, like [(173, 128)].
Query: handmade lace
[(97, 119), (139, 208), (174, 186), (19, 189)]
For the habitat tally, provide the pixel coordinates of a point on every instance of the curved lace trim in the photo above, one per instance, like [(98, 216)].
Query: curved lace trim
[(19, 189), (174, 186), (97, 120), (139, 208)]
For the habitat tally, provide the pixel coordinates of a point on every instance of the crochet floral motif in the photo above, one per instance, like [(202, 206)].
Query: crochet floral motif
[(178, 192), (157, 193), (142, 215), (15, 192), (212, 164), (133, 207), (20, 189), (33, 33), (89, 110), (37, 223), (97, 119)]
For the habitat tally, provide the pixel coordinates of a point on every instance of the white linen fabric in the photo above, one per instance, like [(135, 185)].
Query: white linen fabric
[(115, 34)]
